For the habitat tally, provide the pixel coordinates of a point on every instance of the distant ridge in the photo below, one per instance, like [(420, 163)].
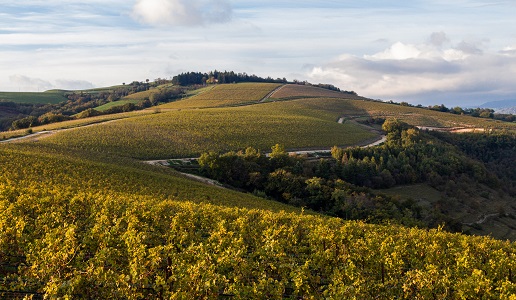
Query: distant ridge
[(499, 104)]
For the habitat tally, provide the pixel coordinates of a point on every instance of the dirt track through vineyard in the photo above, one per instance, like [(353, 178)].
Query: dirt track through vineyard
[(47, 133)]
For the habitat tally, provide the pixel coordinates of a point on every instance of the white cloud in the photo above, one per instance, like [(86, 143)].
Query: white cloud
[(510, 50), (425, 73), (37, 84), (26, 82), (182, 12), (66, 84), (398, 51)]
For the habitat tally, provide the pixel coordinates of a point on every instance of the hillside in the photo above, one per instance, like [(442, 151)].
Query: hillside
[(81, 216), (226, 95), (77, 224), (187, 133), (54, 97)]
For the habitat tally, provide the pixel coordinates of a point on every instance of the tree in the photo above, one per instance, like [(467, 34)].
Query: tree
[(278, 151)]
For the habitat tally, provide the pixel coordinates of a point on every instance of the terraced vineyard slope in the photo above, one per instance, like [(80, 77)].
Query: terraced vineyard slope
[(187, 133), (363, 109), (226, 95)]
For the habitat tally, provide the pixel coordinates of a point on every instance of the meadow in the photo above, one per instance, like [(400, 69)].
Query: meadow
[(109, 105), (53, 97)]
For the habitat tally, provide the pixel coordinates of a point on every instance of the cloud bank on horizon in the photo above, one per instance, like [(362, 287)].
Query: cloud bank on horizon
[(428, 52), (437, 69)]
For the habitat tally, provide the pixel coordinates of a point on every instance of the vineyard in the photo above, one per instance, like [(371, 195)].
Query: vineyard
[(369, 108), (72, 124), (226, 95), (81, 217), (107, 231), (425, 117), (188, 133)]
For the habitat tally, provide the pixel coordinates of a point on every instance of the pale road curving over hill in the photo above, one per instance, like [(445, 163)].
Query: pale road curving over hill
[(46, 133)]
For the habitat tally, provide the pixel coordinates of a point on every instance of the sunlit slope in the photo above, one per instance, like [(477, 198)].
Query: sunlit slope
[(75, 172), (187, 133), (426, 117), (83, 227), (74, 123), (365, 108), (225, 95)]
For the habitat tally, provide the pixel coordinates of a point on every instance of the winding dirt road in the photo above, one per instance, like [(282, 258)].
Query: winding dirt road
[(271, 93), (45, 133)]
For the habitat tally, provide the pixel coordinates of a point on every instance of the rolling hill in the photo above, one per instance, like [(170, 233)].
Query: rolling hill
[(82, 217), (53, 96)]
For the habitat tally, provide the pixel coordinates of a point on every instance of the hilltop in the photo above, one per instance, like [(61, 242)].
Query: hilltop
[(83, 216)]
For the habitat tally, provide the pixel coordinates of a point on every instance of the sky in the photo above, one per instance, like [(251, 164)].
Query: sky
[(457, 53)]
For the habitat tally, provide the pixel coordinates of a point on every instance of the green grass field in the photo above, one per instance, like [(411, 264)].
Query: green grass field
[(52, 97), (115, 104), (146, 94), (422, 193)]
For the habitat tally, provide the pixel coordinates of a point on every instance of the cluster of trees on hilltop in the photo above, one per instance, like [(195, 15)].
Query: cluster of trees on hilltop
[(341, 186), (192, 78)]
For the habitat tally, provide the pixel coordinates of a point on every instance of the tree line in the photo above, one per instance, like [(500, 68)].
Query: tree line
[(214, 77), (192, 78), (477, 112)]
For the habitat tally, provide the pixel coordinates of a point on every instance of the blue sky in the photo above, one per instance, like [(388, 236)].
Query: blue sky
[(429, 52)]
